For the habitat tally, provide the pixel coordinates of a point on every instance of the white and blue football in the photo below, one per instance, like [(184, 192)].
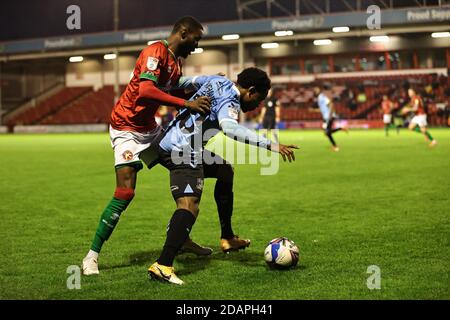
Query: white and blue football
[(281, 253)]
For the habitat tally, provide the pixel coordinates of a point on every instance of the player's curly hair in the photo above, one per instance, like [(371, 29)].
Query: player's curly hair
[(254, 77), (188, 22)]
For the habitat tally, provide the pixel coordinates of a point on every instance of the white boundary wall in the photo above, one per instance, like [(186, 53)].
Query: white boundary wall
[(62, 128)]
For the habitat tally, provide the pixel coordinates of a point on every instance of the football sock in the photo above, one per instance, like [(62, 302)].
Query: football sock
[(336, 130), (177, 232), (417, 129), (92, 254), (330, 137), (110, 216), (223, 194), (429, 135), (386, 129)]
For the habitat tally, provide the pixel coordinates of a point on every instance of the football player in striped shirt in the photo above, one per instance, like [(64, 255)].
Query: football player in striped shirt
[(181, 151)]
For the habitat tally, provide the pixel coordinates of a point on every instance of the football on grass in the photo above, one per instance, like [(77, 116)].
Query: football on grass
[(281, 253)]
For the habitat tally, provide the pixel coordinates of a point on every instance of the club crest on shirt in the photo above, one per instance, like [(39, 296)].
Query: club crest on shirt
[(152, 63), (127, 155)]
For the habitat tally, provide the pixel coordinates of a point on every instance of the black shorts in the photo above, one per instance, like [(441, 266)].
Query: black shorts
[(269, 123), (186, 180)]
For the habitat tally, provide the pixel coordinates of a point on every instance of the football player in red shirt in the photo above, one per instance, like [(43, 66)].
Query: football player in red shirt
[(133, 126), (387, 105), (419, 121)]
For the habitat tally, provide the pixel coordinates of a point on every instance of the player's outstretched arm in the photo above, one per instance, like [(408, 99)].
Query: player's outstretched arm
[(237, 132), (148, 90)]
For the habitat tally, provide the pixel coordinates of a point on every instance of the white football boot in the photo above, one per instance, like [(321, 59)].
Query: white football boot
[(90, 266)]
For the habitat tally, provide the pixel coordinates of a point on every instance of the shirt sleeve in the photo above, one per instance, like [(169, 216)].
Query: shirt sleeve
[(151, 60), (227, 110), (191, 83), (227, 115), (240, 133), (148, 90)]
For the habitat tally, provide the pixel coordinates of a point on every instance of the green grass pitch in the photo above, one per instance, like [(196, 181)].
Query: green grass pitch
[(380, 201)]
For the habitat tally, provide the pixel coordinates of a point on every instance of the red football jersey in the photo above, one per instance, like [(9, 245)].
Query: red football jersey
[(157, 63), (386, 106), (418, 100)]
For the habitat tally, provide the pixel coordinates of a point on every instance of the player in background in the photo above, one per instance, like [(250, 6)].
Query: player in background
[(270, 116), (387, 105), (133, 126), (419, 121), (327, 110), (181, 150)]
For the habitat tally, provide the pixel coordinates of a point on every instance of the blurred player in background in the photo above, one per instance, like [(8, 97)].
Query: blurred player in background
[(181, 150), (133, 126), (327, 110), (419, 122), (270, 116), (387, 105)]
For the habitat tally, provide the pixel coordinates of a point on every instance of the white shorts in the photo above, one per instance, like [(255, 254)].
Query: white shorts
[(130, 147), (420, 120), (387, 118)]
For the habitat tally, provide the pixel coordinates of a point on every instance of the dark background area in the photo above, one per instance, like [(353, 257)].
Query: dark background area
[(47, 18)]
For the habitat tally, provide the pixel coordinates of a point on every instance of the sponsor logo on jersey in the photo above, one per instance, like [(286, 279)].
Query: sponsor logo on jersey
[(152, 63), (127, 155)]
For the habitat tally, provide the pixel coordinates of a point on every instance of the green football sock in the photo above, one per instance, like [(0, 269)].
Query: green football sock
[(429, 135), (417, 129), (108, 221)]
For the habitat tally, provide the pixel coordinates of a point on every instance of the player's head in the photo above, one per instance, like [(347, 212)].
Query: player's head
[(317, 91), (385, 97), (254, 85), (189, 32), (411, 92)]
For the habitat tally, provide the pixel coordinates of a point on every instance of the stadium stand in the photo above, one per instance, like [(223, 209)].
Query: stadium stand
[(82, 105), (53, 104), (297, 99)]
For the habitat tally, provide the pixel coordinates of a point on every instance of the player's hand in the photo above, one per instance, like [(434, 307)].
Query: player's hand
[(201, 104), (286, 151), (221, 74)]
